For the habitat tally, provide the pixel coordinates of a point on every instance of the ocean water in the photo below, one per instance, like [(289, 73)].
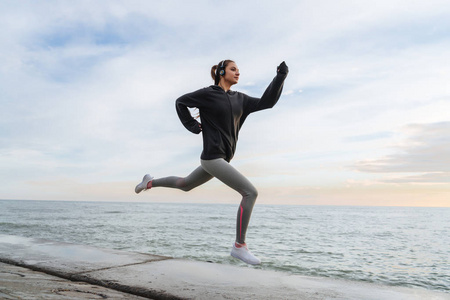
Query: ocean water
[(400, 246)]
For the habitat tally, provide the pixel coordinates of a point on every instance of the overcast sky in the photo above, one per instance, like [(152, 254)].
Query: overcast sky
[(87, 92)]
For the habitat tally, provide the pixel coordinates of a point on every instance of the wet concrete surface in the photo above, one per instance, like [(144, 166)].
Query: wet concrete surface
[(22, 283), (159, 277), (64, 257)]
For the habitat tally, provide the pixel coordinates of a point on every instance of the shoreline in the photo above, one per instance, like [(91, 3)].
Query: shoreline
[(161, 277)]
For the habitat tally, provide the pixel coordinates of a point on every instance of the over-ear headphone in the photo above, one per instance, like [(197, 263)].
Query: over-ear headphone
[(222, 68)]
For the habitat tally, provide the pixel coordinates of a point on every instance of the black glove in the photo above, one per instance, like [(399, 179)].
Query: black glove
[(282, 68)]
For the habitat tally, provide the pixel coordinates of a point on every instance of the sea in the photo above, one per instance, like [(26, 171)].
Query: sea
[(396, 246)]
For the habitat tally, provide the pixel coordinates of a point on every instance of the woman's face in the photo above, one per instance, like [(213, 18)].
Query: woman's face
[(231, 73)]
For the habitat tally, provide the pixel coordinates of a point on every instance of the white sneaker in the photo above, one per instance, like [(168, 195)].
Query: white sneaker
[(245, 255), (143, 185)]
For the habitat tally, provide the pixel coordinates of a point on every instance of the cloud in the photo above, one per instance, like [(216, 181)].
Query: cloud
[(369, 137), (427, 178), (426, 151)]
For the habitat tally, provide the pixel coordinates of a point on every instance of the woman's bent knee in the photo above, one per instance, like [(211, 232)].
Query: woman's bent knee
[(252, 194), (186, 188), (181, 184)]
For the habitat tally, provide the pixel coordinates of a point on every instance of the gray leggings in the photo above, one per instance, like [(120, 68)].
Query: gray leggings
[(223, 171)]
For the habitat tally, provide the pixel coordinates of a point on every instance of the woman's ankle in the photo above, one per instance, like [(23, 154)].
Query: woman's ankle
[(240, 245), (149, 184)]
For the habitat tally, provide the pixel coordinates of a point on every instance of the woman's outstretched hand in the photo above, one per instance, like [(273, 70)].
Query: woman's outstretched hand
[(283, 68)]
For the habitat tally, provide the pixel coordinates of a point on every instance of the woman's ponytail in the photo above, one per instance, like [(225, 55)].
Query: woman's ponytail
[(214, 74)]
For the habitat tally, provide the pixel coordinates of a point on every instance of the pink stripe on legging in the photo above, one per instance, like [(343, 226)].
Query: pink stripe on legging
[(240, 223)]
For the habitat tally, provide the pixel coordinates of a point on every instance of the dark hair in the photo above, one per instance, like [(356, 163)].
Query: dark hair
[(215, 70)]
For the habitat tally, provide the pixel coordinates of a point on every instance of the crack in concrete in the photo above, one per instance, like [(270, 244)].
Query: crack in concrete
[(121, 266), (80, 277)]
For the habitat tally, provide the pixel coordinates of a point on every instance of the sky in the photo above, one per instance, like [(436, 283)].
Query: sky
[(87, 94)]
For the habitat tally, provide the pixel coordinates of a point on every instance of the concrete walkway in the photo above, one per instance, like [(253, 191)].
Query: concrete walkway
[(158, 277), (22, 283)]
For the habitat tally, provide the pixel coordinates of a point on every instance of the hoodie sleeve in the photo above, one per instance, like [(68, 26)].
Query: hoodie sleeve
[(189, 100), (270, 96)]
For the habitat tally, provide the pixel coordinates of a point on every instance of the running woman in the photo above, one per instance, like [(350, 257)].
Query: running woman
[(222, 113)]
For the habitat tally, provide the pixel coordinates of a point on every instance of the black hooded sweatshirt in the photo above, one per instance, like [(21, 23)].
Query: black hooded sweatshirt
[(222, 115)]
